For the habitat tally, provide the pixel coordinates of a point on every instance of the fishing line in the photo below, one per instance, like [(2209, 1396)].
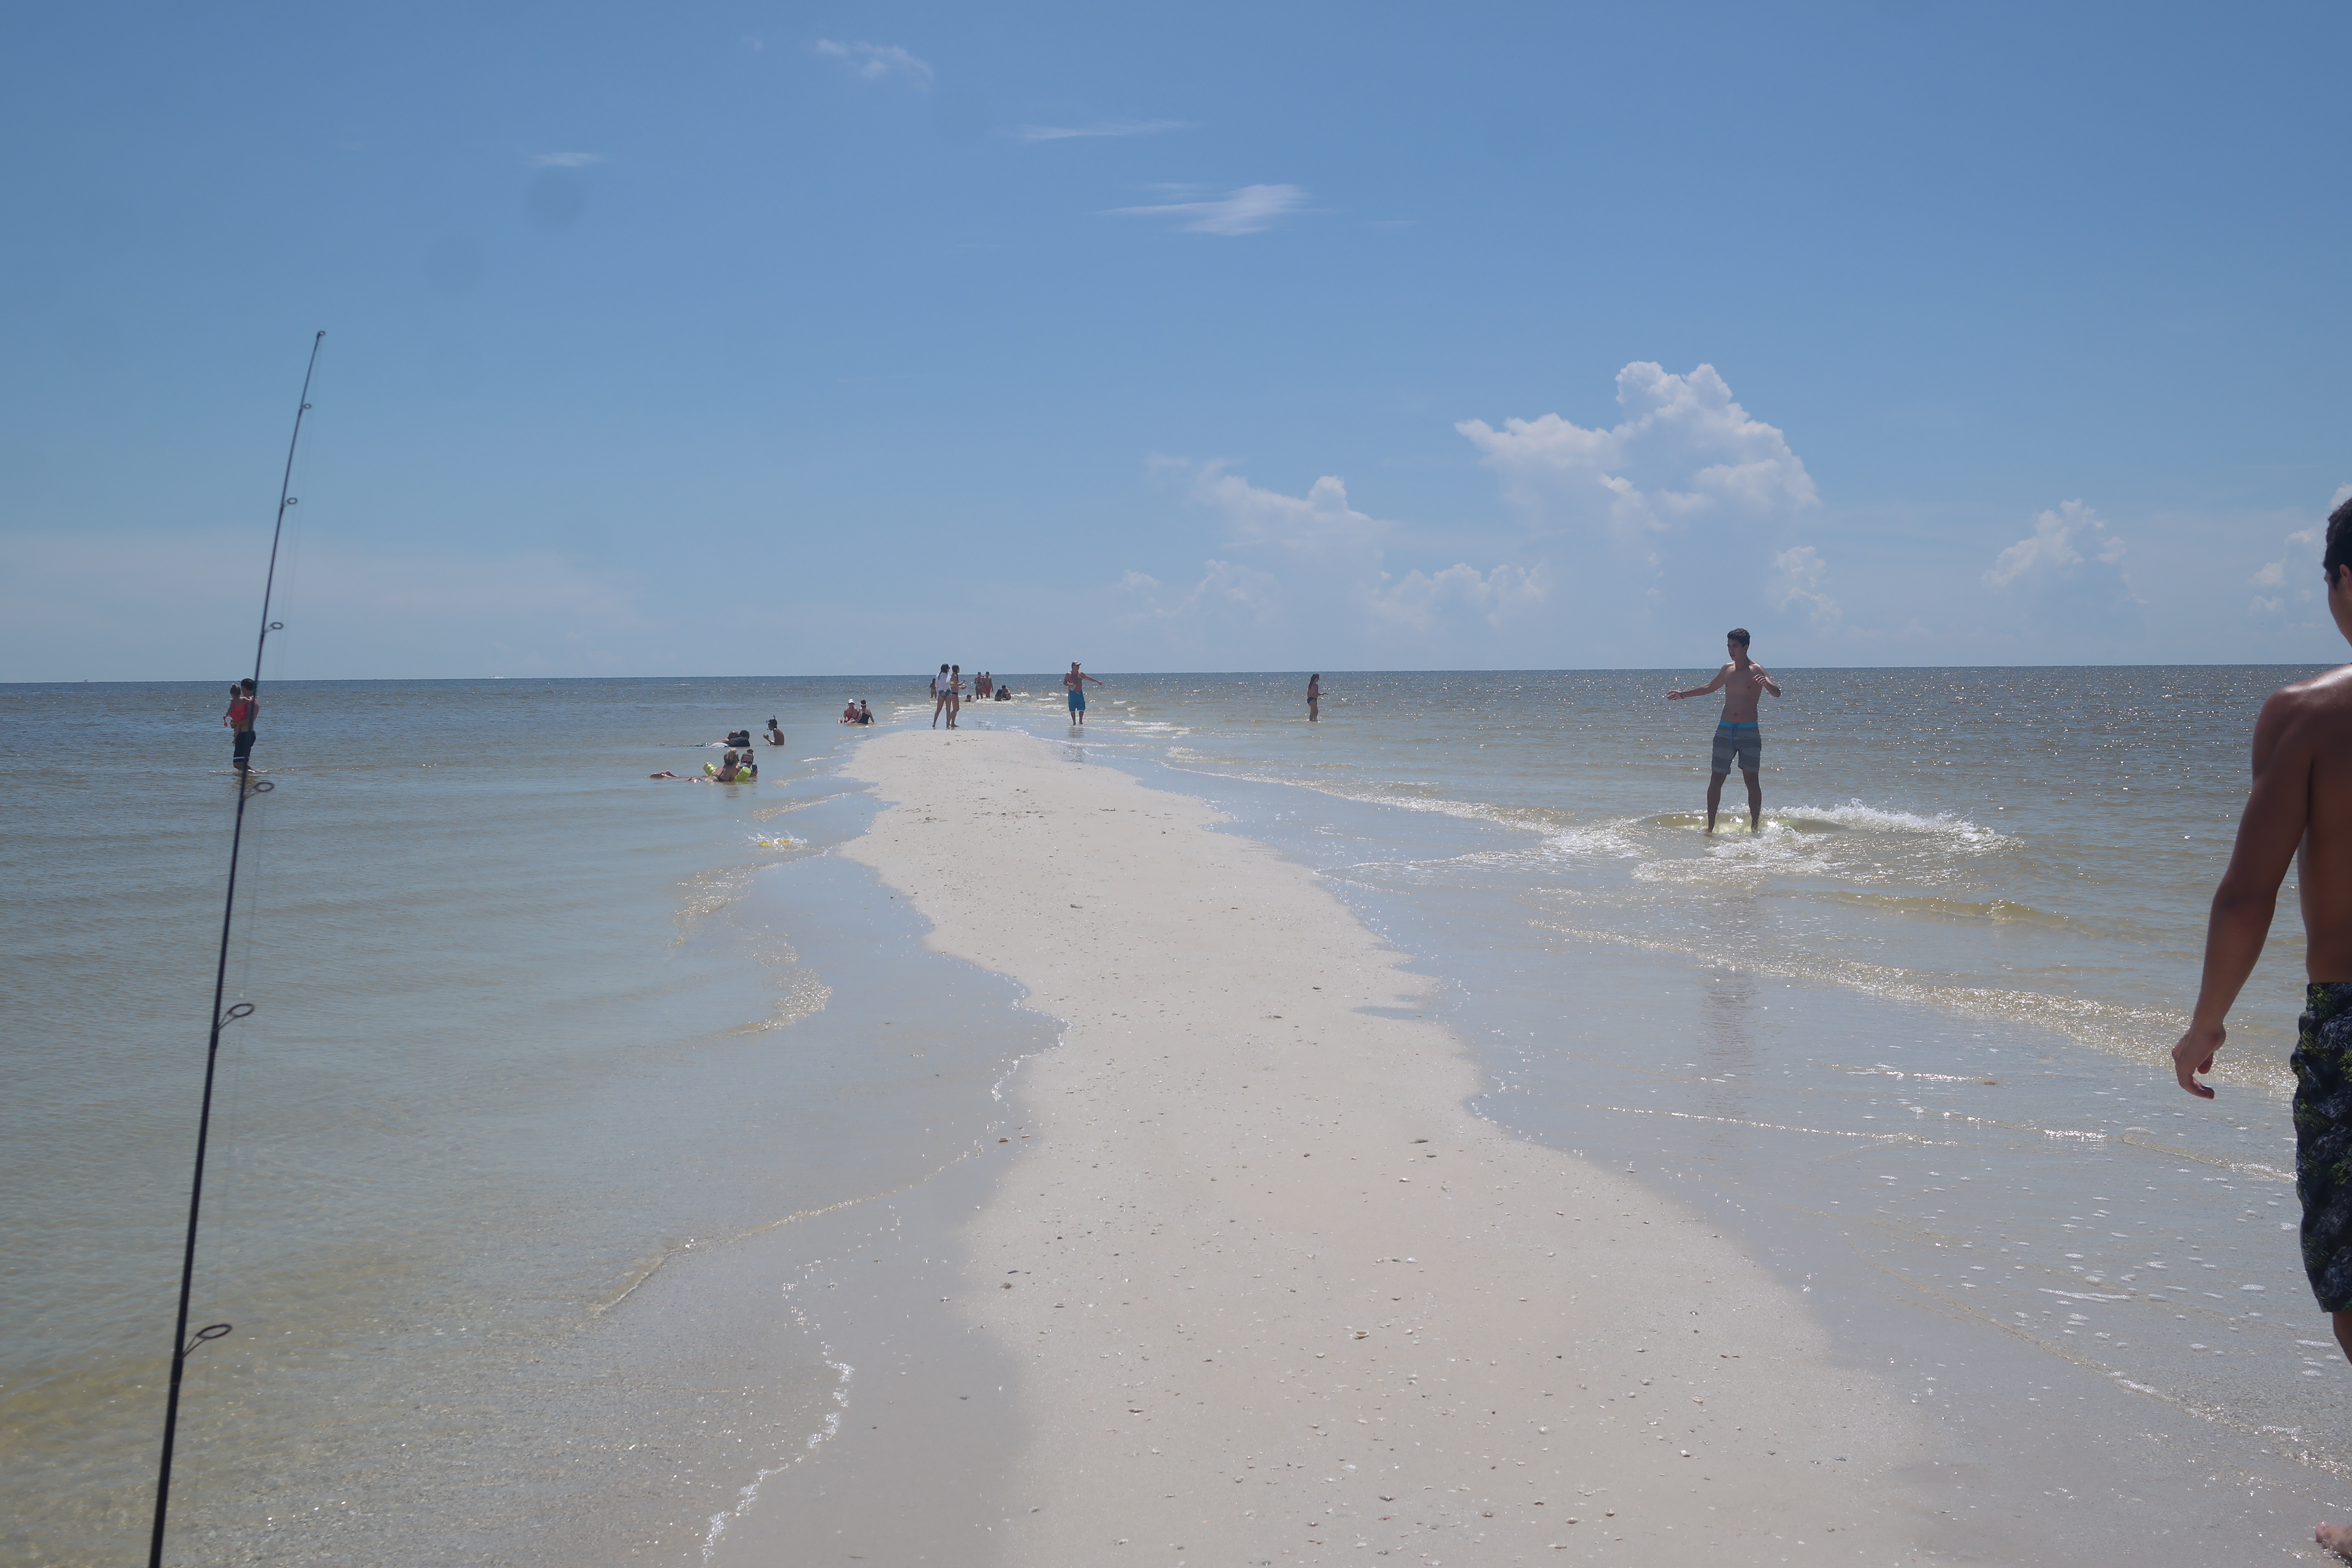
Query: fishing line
[(247, 789)]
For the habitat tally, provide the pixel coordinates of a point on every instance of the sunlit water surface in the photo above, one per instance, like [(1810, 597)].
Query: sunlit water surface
[(530, 1030)]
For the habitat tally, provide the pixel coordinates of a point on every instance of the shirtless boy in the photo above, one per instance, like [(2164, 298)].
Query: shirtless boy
[(2300, 809), (1075, 684), (1736, 734)]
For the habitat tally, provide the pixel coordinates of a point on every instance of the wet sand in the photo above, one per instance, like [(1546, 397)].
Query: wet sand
[(1272, 1292)]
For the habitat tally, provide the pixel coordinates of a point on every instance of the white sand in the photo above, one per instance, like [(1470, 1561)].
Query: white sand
[(1280, 1296)]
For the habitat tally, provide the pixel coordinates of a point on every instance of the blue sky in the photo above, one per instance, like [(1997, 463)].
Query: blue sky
[(740, 339)]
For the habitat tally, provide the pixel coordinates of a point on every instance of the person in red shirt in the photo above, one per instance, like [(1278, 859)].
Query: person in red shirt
[(244, 707)]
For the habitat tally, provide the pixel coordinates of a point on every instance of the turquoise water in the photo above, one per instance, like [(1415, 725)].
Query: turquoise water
[(540, 1041)]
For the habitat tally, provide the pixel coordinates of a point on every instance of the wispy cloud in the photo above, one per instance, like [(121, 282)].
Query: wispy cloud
[(565, 160), (1101, 128), (2055, 547), (872, 62), (1246, 211)]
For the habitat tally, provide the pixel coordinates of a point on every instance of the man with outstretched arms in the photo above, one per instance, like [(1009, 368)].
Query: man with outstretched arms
[(1737, 733), (1075, 683), (2300, 810)]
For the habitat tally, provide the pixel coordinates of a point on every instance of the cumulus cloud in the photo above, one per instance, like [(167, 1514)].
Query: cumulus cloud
[(1246, 211), (872, 62), (1420, 604), (1318, 561), (1101, 128), (1315, 522), (1797, 575), (2055, 547), (1686, 450), (2304, 548)]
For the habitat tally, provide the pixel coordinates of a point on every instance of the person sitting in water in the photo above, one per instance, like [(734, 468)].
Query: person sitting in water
[(1003, 694), (865, 714), (849, 712), (738, 737), (746, 769), (775, 736)]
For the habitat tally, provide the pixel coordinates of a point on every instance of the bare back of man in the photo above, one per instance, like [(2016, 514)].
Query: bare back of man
[(2299, 811)]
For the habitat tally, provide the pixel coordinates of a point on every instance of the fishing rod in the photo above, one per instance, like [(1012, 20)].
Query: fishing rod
[(248, 787)]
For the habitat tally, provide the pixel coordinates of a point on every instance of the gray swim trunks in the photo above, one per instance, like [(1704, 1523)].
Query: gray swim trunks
[(1745, 741)]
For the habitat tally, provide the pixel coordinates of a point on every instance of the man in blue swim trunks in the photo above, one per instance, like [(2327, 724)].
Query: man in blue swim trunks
[(1737, 736), (1077, 683), (2299, 813)]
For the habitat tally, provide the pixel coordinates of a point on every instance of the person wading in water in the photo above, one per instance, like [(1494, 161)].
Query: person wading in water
[(1737, 734)]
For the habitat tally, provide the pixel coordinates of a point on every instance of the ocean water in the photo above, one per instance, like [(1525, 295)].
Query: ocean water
[(1911, 1042), (538, 1041), (557, 1072)]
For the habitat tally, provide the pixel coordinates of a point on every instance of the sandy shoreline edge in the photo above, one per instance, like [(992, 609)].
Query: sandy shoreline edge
[(1273, 1292)]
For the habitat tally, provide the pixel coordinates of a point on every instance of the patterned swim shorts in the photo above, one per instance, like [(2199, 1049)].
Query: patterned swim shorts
[(2323, 1141), (1743, 741)]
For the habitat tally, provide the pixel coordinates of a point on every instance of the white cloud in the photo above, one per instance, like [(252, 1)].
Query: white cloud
[(1246, 211), (2262, 606), (1315, 566), (1315, 523), (2304, 547), (1686, 450), (1797, 575), (872, 62), (2055, 547), (565, 160), (1421, 603), (1101, 128)]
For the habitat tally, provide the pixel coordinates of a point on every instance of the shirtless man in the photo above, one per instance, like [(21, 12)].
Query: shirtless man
[(2300, 809), (1737, 734), (1075, 684)]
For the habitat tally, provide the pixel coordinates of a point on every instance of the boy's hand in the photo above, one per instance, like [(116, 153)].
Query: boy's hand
[(2194, 1055)]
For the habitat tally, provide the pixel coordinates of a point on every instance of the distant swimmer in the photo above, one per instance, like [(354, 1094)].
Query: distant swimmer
[(1313, 700), (1737, 734), (941, 687), (1075, 684), (244, 709), (775, 736), (2299, 812)]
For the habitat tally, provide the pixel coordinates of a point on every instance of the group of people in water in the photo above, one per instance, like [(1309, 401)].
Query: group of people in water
[(740, 765), (857, 713)]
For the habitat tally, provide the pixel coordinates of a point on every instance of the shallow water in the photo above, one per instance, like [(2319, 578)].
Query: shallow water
[(523, 1039), (535, 1031), (1912, 1041)]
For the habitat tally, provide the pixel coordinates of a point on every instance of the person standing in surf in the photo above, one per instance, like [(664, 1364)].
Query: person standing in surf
[(1737, 734), (941, 686), (244, 709), (1313, 700), (2300, 811), (1075, 683)]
